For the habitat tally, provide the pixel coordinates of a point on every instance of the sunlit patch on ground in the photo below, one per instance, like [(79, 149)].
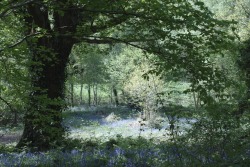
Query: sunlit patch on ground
[(85, 124), (10, 136)]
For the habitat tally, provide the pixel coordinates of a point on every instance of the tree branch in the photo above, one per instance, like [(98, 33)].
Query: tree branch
[(108, 40), (20, 41), (39, 13), (245, 10), (8, 104), (125, 13), (4, 12), (111, 23), (112, 40)]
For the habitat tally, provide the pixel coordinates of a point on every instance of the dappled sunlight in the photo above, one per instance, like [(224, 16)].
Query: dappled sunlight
[(85, 124)]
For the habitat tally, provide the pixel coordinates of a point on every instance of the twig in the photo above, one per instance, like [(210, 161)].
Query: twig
[(20, 41), (3, 14), (8, 104), (110, 40), (245, 10)]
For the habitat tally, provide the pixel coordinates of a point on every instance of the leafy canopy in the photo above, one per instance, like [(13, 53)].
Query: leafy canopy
[(183, 33)]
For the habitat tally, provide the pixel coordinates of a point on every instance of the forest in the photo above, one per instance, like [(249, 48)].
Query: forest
[(124, 83)]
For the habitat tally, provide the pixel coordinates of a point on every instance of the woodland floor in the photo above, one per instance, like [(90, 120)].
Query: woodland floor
[(102, 122)]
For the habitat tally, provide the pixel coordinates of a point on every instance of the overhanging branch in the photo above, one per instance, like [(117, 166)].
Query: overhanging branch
[(20, 41), (124, 13), (112, 40), (111, 23), (4, 12), (8, 104)]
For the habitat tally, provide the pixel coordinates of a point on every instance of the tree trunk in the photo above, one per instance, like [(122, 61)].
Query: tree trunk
[(196, 101), (89, 93), (81, 89), (43, 120), (72, 93), (49, 54), (116, 96), (95, 93), (111, 96)]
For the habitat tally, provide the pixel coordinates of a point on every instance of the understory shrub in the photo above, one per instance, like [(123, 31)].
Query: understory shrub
[(112, 117)]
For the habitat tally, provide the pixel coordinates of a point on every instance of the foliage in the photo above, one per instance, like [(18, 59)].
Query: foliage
[(221, 140), (13, 73), (233, 10), (90, 59), (130, 152), (213, 140)]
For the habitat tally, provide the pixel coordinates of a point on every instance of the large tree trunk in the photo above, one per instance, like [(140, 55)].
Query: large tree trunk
[(43, 120), (43, 127)]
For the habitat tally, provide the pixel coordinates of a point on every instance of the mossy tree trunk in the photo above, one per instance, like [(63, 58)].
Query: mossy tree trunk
[(43, 119), (49, 54)]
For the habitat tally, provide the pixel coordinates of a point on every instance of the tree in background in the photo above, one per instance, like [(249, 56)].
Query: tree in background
[(243, 63), (91, 68), (236, 62), (121, 63)]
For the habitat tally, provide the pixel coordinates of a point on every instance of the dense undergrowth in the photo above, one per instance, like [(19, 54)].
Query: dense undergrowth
[(214, 140), (130, 152)]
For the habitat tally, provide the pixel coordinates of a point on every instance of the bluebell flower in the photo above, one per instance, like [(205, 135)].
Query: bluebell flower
[(74, 152), (118, 151)]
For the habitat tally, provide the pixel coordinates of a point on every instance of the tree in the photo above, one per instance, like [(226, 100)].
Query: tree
[(72, 71), (182, 33), (241, 13), (91, 59), (233, 10), (121, 63), (13, 73), (243, 63)]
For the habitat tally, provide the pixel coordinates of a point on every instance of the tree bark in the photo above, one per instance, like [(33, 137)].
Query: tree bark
[(89, 94), (95, 94), (116, 96), (43, 120), (11, 109), (72, 93), (49, 54), (81, 97)]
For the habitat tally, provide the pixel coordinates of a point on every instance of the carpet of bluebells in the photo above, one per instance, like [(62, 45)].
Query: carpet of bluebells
[(167, 156), (116, 157), (121, 143)]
